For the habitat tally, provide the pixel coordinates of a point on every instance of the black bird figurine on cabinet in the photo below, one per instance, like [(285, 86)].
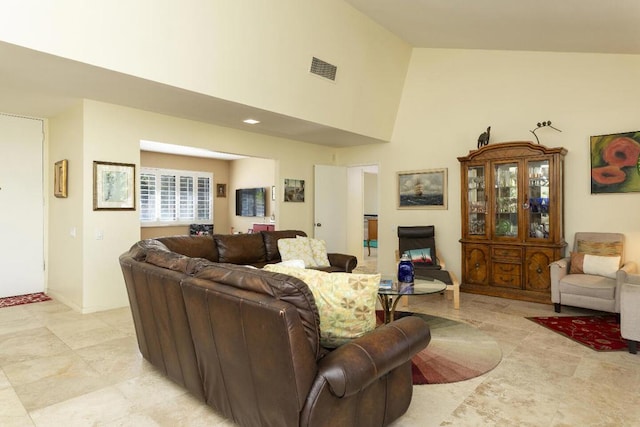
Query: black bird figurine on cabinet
[(483, 139)]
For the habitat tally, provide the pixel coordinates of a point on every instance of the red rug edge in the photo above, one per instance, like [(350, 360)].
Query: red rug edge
[(24, 299), (592, 346)]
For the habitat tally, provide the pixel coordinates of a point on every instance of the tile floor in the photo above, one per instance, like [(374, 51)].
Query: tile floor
[(61, 368)]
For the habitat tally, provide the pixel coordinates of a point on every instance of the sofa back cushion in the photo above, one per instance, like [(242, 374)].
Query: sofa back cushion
[(192, 246), (271, 242), (240, 248), (279, 286), (171, 260), (600, 244), (175, 261)]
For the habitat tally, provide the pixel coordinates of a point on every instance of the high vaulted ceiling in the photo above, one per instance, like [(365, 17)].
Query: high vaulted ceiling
[(535, 25), (40, 85)]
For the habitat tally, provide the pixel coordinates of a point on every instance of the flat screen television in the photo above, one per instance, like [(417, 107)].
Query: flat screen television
[(251, 201)]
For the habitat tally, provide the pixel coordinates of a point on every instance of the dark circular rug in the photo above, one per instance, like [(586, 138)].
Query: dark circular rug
[(457, 352)]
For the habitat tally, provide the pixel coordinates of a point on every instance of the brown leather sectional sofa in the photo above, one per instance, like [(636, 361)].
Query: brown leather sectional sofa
[(246, 341), (256, 249)]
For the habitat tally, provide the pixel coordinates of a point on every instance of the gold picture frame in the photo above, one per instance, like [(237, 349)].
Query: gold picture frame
[(60, 179), (422, 189), (114, 186)]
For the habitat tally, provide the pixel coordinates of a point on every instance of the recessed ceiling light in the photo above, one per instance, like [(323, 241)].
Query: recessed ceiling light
[(251, 121)]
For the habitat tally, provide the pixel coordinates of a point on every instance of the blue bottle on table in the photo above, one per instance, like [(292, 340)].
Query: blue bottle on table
[(405, 270)]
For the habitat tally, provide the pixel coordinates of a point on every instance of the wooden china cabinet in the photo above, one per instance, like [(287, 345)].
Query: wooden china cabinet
[(512, 219)]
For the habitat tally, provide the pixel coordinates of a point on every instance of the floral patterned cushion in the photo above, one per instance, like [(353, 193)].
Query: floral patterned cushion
[(291, 249), (346, 302), (318, 250)]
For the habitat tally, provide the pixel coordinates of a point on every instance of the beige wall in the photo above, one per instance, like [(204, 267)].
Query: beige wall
[(451, 96), (65, 226), (370, 193), (258, 54), (106, 132), (254, 53), (220, 170), (250, 173)]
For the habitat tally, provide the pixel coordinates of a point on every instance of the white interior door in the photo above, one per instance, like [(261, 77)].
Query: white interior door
[(330, 206), (21, 206)]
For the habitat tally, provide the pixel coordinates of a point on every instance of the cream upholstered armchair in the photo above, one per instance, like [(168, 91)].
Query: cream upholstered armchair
[(592, 276), (630, 311)]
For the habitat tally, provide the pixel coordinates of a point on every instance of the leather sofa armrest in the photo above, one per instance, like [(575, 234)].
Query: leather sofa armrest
[(353, 366), (344, 262)]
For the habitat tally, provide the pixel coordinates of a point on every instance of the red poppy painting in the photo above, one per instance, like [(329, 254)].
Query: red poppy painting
[(615, 163)]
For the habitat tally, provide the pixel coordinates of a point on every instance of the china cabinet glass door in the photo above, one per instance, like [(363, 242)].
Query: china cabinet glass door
[(476, 200), (505, 220), (538, 199)]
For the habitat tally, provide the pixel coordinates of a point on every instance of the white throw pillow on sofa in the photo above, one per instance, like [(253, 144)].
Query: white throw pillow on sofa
[(606, 266)]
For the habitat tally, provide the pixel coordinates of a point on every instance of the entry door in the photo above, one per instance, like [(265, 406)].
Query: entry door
[(21, 206), (330, 207)]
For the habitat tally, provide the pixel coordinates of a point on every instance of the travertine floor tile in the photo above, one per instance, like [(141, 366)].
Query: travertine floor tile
[(117, 359), (95, 408), (62, 368), (29, 344)]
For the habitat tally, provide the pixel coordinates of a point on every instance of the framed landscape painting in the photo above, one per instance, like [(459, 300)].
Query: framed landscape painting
[(422, 189), (615, 163), (114, 186)]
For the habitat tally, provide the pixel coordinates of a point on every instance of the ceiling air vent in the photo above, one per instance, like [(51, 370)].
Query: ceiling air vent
[(323, 69)]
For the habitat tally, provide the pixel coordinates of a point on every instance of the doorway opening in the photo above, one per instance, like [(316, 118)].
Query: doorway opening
[(368, 219)]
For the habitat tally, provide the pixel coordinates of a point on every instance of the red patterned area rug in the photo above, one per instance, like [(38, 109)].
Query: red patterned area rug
[(23, 299), (457, 352), (600, 333)]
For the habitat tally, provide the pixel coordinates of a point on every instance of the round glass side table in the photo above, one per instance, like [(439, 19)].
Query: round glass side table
[(390, 295)]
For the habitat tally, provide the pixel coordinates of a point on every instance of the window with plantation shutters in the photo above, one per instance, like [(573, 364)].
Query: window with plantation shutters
[(175, 197), (203, 209), (147, 197), (168, 197), (187, 207)]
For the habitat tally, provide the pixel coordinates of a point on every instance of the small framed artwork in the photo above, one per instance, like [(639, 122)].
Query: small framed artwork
[(60, 179), (615, 163), (221, 190), (294, 190), (422, 189), (273, 192), (114, 186)]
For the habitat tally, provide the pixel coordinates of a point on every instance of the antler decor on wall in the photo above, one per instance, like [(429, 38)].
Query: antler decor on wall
[(541, 125)]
